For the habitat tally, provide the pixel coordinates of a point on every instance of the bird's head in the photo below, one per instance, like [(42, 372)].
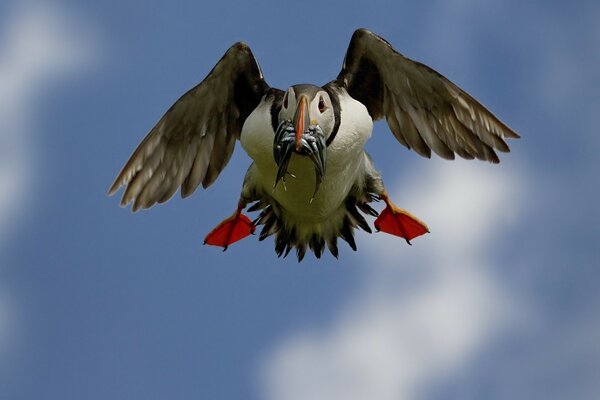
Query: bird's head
[(305, 106), (306, 120)]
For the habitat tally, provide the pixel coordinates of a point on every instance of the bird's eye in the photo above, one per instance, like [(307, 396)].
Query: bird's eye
[(322, 105), (285, 100)]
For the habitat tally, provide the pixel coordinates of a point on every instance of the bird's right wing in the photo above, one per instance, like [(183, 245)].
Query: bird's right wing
[(194, 140)]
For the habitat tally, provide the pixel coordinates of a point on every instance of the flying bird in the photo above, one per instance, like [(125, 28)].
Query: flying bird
[(310, 178)]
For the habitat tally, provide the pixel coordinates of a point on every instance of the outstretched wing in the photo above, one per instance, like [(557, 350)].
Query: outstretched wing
[(194, 140), (423, 109)]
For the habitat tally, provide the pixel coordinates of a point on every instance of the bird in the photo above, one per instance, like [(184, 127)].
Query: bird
[(310, 179)]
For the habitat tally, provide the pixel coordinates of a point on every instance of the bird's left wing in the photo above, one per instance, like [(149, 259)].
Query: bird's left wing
[(424, 110), (194, 140)]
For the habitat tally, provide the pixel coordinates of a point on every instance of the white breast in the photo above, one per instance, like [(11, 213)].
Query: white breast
[(345, 164)]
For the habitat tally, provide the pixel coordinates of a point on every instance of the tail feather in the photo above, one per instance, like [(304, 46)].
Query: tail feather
[(287, 237)]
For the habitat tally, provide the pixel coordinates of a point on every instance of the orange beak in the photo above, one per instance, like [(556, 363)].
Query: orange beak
[(301, 120)]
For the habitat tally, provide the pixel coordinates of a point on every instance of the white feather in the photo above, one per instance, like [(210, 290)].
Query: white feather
[(346, 162)]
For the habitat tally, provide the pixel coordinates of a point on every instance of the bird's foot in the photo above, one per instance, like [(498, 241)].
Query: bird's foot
[(230, 230), (399, 222)]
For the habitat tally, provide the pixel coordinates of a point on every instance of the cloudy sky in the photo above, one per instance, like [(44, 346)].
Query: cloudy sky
[(500, 301)]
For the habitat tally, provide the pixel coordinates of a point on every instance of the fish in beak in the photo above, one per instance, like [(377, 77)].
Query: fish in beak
[(300, 137)]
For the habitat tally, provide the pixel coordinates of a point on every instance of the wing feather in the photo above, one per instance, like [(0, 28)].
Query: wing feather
[(404, 129), (424, 110), (395, 126), (194, 140), (199, 168), (222, 150), (421, 121)]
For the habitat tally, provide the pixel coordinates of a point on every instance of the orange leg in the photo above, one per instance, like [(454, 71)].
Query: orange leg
[(399, 222), (231, 229)]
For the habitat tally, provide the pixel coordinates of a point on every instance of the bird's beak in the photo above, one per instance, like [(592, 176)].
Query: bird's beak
[(303, 137), (301, 120)]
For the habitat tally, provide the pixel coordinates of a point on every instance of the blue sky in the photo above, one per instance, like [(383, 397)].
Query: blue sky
[(499, 301)]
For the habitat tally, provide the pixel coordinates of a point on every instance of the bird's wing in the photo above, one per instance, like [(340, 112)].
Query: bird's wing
[(194, 140), (423, 109)]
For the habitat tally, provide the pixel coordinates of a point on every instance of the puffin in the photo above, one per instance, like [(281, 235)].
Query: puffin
[(311, 180)]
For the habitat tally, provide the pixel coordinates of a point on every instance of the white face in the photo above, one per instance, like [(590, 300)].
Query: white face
[(320, 110)]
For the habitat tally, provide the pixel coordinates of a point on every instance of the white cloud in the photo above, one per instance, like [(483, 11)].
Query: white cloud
[(425, 310), (40, 45)]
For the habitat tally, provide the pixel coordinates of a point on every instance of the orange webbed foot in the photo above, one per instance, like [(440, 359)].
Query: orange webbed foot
[(399, 222), (230, 230)]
